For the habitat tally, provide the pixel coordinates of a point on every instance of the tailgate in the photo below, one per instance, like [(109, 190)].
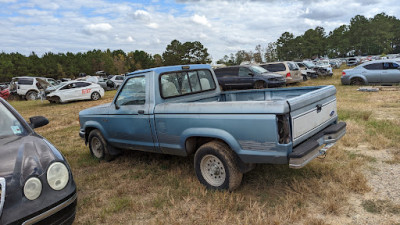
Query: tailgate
[(312, 112)]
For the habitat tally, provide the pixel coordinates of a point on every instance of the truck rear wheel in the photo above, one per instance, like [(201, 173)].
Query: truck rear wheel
[(98, 146), (216, 166)]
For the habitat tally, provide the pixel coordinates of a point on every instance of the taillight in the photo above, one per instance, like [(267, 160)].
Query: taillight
[(288, 74), (343, 73)]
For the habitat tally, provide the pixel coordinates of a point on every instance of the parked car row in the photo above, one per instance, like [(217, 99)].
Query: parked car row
[(31, 88)]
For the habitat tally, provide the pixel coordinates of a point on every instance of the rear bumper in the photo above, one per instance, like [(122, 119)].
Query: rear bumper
[(316, 146)]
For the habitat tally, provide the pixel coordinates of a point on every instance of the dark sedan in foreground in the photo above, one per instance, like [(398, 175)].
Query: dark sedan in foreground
[(385, 72), (36, 183)]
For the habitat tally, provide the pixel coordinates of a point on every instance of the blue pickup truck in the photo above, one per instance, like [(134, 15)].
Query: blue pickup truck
[(180, 110)]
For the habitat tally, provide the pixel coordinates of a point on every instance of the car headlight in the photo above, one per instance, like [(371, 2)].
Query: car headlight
[(32, 188), (57, 176)]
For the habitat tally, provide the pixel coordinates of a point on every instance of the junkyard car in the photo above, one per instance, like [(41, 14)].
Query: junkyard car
[(76, 90), (306, 71), (287, 69), (118, 80), (247, 76), (386, 72), (36, 183), (29, 88), (180, 110)]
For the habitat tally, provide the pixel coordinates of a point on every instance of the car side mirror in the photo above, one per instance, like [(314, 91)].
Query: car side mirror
[(116, 106), (251, 74), (38, 121)]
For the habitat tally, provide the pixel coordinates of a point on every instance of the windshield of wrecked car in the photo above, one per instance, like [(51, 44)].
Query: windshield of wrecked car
[(258, 69), (9, 125), (309, 64)]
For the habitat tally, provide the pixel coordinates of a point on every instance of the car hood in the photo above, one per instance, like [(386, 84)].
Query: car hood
[(21, 157), (100, 109)]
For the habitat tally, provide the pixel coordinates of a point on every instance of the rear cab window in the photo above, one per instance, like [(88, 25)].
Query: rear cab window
[(173, 84)]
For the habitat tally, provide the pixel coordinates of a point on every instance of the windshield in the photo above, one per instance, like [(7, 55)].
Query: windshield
[(309, 64), (9, 125), (258, 69)]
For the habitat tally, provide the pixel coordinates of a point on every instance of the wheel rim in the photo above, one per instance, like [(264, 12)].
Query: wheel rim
[(31, 96), (213, 170), (97, 148), (95, 96)]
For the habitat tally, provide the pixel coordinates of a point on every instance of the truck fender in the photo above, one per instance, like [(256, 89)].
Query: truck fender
[(209, 133), (91, 125)]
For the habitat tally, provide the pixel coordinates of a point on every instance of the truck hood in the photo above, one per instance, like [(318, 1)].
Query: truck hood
[(21, 157), (100, 109)]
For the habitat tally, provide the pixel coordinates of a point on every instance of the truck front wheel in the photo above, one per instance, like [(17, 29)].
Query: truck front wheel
[(216, 166), (98, 146)]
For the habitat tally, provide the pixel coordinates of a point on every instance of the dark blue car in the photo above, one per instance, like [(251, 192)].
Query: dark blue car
[(247, 77), (36, 183)]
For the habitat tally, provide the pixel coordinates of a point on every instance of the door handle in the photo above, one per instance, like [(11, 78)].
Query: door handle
[(319, 108), (140, 111)]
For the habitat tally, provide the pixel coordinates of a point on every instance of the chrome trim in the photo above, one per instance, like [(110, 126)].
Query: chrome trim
[(2, 193), (51, 211), (328, 140)]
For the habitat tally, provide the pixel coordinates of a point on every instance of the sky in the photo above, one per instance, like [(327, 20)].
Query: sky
[(222, 26)]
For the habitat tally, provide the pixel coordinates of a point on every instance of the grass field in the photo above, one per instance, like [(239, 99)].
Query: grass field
[(144, 188)]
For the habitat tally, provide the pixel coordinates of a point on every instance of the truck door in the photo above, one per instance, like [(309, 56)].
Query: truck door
[(129, 121)]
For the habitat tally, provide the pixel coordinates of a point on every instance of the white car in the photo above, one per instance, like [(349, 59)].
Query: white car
[(76, 90), (118, 80)]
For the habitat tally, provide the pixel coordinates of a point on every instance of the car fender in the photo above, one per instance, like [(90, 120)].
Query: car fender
[(359, 76), (209, 133)]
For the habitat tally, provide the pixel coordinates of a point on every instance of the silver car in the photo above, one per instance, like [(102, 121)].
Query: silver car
[(384, 72)]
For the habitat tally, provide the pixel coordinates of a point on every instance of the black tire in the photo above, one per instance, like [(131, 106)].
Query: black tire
[(305, 78), (31, 95), (356, 81), (259, 85), (216, 167), (98, 146), (95, 96)]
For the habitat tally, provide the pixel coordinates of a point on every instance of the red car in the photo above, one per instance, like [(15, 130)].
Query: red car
[(4, 93)]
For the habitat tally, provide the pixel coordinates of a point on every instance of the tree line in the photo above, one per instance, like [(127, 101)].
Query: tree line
[(70, 65), (363, 36)]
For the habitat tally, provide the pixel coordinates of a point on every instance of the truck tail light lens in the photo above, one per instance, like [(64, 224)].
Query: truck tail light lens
[(283, 129), (288, 75), (343, 73)]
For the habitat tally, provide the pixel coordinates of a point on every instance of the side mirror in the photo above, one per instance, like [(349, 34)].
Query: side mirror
[(251, 74), (38, 121), (116, 106)]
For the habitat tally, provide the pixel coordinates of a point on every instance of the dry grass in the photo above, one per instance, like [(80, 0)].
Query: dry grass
[(144, 188)]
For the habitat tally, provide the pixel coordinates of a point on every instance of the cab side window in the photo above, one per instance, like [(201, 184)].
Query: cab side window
[(133, 92)]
